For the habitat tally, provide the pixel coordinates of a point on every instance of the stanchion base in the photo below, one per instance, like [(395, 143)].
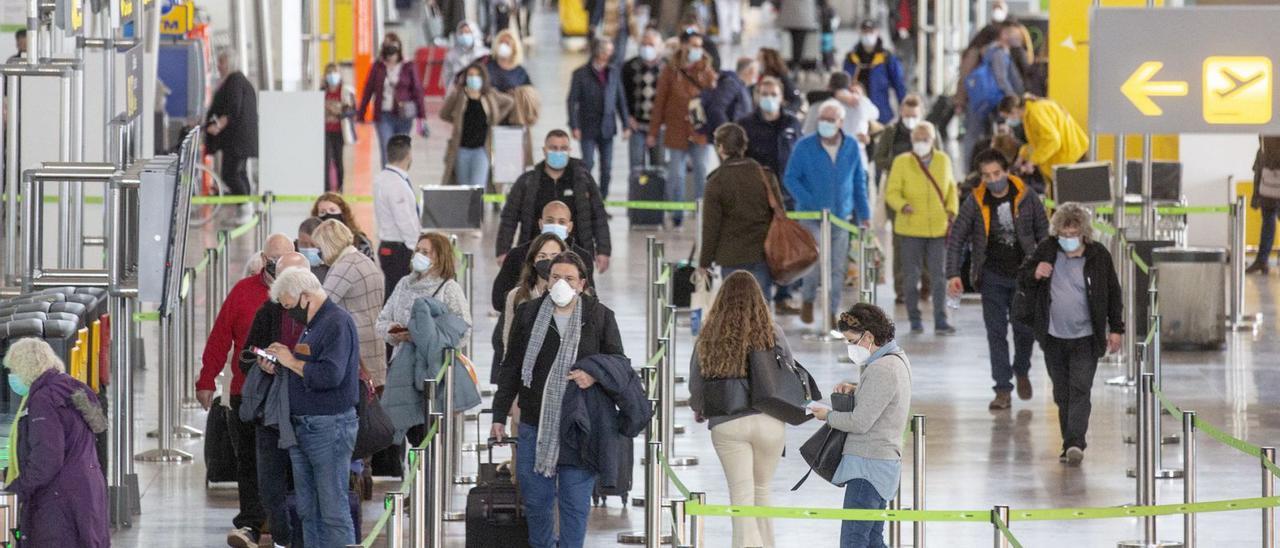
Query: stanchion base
[(163, 455), (639, 537), (677, 428), (471, 417), (1171, 439), (191, 404), (455, 516), (680, 378), (1163, 473), (464, 480), (1145, 544), (1122, 380), (1245, 323), (187, 432), (638, 501)]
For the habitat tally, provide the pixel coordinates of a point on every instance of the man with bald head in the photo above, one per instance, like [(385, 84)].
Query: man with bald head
[(826, 172), (271, 463), (557, 219), (225, 343)]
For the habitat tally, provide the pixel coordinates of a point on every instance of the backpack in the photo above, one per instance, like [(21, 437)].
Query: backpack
[(983, 92)]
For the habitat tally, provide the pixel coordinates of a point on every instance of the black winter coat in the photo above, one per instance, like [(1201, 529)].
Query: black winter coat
[(599, 336), (238, 101), (521, 211), (1106, 301), (600, 421)]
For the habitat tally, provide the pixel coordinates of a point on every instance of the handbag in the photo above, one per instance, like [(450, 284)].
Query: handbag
[(1269, 179), (789, 249), (375, 432), (696, 111), (780, 387), (824, 450), (725, 397)]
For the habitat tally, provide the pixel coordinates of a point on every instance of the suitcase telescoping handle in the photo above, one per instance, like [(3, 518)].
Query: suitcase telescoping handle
[(492, 441)]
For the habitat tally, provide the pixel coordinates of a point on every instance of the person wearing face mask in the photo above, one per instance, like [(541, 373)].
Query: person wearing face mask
[(1077, 311), (396, 212), (339, 105), (772, 132), (872, 460), (394, 88), (877, 69), (226, 338), (1054, 138), (434, 276), (1000, 223), (321, 374), (307, 247), (506, 69), (859, 112), (332, 205), (474, 108), (52, 463), (467, 49), (683, 79), (563, 179), (231, 126), (1002, 77), (923, 195), (772, 64), (531, 283), (895, 140), (598, 109), (557, 220), (640, 87), (549, 337), (825, 172), (355, 283)]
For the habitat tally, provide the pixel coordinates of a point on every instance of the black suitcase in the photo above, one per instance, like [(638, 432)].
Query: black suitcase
[(495, 513), (646, 185), (291, 506), (626, 463), (219, 456)]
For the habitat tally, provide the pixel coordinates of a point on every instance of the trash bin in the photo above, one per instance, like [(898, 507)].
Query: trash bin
[(1193, 303)]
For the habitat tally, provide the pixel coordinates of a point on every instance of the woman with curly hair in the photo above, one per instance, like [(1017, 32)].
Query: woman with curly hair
[(748, 442), (872, 460), (331, 205)]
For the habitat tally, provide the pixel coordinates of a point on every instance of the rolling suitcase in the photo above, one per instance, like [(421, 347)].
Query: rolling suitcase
[(495, 512), (626, 463), (648, 185)]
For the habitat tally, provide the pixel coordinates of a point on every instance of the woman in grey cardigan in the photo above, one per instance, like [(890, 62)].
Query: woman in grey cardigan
[(354, 282), (435, 275), (872, 460)]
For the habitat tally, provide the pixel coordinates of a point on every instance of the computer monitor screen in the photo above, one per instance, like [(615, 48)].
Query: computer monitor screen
[(1166, 180), (1088, 183)]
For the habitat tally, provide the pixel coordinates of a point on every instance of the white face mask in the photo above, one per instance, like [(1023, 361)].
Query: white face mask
[(562, 294), (868, 41), (504, 50), (859, 354), (922, 148), (998, 15), (648, 53), (910, 122), (420, 263)]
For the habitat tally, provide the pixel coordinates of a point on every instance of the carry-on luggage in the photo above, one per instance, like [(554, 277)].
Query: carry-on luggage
[(626, 459), (648, 184), (495, 512), (219, 456), (430, 64)]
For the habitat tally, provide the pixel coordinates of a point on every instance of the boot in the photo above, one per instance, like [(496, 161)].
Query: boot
[(1001, 402), (1259, 266), (806, 312)]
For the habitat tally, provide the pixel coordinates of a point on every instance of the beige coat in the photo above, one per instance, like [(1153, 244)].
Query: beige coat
[(497, 106)]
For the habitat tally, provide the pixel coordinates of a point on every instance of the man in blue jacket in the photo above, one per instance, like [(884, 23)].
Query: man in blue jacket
[(597, 108), (877, 69), (825, 172)]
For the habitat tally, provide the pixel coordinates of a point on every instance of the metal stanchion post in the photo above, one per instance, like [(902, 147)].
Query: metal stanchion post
[(451, 428), (1130, 301), (696, 537), (823, 298), (1157, 368), (669, 399), (1189, 478), (395, 525), (917, 477), (895, 527), (680, 536), (653, 492), (1147, 440), (439, 481), (418, 498), (468, 286), (650, 298), (189, 344), (167, 403), (9, 517), (224, 266), (264, 222), (1000, 514), (1268, 490), (1237, 320), (653, 484), (210, 288)]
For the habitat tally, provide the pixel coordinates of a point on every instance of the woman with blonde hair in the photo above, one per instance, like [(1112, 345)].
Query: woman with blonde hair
[(748, 442), (355, 283), (506, 64)]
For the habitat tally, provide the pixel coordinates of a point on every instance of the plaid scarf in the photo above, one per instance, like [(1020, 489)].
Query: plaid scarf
[(548, 451)]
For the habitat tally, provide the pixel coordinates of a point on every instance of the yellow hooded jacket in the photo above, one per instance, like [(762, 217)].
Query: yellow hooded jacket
[(1053, 136)]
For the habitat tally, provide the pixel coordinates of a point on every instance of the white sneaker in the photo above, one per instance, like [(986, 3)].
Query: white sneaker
[(1075, 455), (242, 538)]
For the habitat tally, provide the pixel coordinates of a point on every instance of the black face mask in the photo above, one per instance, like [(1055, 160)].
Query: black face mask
[(389, 51), (269, 268), (298, 313), (331, 217), (543, 268)]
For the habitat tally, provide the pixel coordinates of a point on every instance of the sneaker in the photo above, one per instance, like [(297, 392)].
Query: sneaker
[(243, 537), (806, 312), (944, 329), (1001, 402), (917, 328), (1074, 455), (784, 308), (1024, 387)]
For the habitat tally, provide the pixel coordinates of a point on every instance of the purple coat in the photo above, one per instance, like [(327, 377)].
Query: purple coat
[(408, 89), (62, 492)]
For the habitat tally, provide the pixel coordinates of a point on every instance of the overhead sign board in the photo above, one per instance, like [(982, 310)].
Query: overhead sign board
[(1184, 70)]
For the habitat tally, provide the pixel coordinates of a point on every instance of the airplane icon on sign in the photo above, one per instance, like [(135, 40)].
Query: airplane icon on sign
[(1238, 83)]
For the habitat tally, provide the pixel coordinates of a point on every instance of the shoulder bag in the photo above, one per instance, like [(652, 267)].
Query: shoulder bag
[(1269, 181), (789, 249), (780, 387), (375, 431), (697, 112), (824, 450)]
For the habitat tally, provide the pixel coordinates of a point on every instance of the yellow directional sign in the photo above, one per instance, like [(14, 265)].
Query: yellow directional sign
[(1237, 90), (1140, 89)]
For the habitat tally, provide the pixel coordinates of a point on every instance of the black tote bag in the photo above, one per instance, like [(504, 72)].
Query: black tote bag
[(780, 387), (824, 450), (375, 432)]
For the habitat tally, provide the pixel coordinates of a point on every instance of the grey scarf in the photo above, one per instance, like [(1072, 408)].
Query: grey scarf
[(548, 451)]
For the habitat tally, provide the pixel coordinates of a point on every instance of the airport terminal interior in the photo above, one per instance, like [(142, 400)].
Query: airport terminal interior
[(112, 185)]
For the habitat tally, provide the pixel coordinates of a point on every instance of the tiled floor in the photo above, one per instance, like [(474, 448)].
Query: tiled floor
[(976, 458)]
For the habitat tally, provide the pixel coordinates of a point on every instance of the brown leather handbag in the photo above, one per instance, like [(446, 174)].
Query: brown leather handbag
[(789, 249)]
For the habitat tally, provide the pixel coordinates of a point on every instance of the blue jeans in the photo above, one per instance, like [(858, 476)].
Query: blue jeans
[(839, 264), (388, 126), (471, 167), (321, 469), (1267, 235), (636, 150), (860, 494), (273, 483), (604, 147), (759, 270), (997, 304), (570, 489), (676, 170)]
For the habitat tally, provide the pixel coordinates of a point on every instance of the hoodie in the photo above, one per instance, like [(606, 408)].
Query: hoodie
[(459, 56)]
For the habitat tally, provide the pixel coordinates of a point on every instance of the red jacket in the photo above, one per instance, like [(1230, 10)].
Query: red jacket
[(230, 331)]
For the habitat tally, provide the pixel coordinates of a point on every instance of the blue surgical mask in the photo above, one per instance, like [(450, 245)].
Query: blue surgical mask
[(333, 79), (695, 55), (420, 263), (559, 230), (648, 53), (466, 39), (17, 385), (770, 104), (312, 254), (1012, 122), (474, 82), (827, 129), (1070, 245), (557, 159)]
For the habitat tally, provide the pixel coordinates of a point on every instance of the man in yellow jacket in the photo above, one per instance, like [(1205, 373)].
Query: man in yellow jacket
[(1053, 136), (922, 193)]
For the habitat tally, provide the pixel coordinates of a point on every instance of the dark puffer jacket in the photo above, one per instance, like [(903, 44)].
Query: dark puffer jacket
[(1106, 302), (972, 225), (521, 211), (61, 488)]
